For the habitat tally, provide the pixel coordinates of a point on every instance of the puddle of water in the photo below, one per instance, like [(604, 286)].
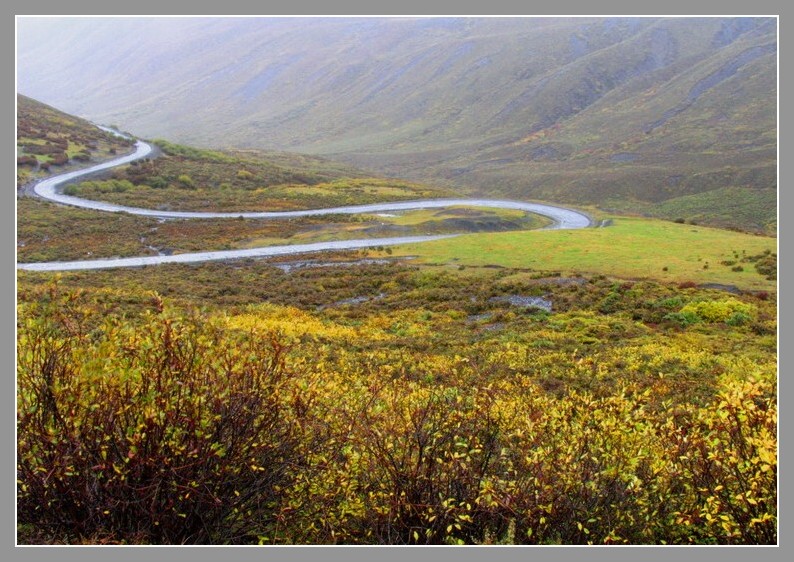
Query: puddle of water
[(525, 302)]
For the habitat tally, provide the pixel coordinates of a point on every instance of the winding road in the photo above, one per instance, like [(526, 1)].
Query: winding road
[(49, 189)]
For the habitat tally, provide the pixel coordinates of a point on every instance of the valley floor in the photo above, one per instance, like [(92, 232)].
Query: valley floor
[(611, 385)]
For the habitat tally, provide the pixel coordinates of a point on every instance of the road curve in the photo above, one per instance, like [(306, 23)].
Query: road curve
[(266, 251), (48, 189)]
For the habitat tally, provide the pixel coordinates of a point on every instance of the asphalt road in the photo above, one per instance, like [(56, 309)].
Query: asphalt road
[(51, 189)]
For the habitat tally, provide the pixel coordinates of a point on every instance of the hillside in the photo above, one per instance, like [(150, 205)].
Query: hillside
[(507, 385), (49, 140), (633, 114), (187, 178)]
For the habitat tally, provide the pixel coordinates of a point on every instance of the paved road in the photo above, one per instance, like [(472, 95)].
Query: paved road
[(50, 189), (195, 257)]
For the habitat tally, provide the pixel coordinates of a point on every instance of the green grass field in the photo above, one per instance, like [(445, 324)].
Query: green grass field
[(427, 215), (630, 248)]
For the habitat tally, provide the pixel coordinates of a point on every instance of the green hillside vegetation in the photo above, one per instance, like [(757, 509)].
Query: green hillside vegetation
[(48, 232), (724, 138), (707, 147), (390, 404), (191, 179), (736, 208), (50, 141), (629, 248), (624, 113), (743, 208)]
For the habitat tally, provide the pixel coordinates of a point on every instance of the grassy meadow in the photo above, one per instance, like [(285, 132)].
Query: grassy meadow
[(629, 248)]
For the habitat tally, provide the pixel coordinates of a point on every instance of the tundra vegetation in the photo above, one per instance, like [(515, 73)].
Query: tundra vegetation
[(509, 386), (82, 233), (392, 404), (50, 141), (191, 179)]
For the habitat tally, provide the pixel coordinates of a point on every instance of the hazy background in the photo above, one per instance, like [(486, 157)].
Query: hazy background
[(603, 110)]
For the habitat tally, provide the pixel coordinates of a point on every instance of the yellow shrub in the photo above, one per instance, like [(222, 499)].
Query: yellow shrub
[(718, 311)]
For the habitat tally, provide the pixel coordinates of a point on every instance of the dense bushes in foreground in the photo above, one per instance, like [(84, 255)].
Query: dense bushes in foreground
[(276, 425), (150, 441)]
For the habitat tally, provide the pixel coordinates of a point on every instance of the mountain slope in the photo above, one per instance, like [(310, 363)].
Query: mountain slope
[(189, 178), (49, 140), (623, 112)]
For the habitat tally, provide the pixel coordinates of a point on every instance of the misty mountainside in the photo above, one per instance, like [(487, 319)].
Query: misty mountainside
[(674, 117)]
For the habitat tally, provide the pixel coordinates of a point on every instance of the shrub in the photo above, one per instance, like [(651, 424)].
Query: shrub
[(423, 456), (610, 303), (732, 443), (672, 302), (717, 311), (767, 265), (171, 426), (158, 182), (186, 181), (169, 438), (26, 160), (682, 318), (738, 319), (107, 186), (59, 159)]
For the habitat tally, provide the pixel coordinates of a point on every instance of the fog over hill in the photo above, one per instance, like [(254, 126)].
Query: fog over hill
[(629, 113)]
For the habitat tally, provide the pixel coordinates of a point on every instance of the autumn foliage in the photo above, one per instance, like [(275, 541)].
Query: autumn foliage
[(273, 426)]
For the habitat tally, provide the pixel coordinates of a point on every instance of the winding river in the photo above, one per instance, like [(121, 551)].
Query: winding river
[(50, 189)]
